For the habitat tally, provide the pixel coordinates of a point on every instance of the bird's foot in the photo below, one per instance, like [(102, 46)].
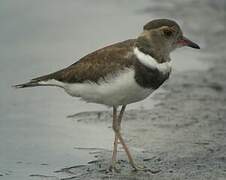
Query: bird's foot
[(138, 167), (145, 169), (114, 168)]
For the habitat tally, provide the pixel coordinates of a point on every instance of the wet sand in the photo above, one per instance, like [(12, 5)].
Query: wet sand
[(184, 135), (178, 133)]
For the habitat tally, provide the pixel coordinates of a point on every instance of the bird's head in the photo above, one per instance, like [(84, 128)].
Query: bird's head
[(162, 36)]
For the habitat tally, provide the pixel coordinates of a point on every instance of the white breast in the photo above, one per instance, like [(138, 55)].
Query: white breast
[(151, 63), (115, 90)]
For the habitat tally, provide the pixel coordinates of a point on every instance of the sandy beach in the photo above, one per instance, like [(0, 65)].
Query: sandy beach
[(178, 133)]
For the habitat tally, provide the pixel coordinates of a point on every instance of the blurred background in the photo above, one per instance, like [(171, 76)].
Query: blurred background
[(39, 37)]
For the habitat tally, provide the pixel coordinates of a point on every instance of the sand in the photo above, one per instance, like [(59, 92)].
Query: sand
[(184, 135), (179, 133)]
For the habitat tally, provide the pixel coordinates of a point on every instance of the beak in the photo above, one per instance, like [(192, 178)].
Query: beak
[(186, 42)]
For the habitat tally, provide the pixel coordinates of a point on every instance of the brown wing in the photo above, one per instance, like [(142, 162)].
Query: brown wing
[(96, 65)]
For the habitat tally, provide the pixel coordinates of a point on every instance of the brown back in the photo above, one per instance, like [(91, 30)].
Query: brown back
[(96, 65)]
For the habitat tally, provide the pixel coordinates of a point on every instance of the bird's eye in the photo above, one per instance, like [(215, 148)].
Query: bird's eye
[(167, 32)]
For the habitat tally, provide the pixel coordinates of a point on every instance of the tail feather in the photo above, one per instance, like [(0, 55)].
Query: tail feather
[(42, 80), (29, 84), (36, 81)]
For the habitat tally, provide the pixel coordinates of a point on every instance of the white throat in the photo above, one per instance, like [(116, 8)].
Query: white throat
[(151, 63)]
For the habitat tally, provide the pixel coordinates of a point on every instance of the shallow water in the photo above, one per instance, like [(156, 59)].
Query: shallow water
[(38, 37)]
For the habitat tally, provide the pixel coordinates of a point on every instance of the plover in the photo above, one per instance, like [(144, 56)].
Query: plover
[(122, 73)]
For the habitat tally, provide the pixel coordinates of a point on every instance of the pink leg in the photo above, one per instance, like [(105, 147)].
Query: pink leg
[(118, 124), (116, 129)]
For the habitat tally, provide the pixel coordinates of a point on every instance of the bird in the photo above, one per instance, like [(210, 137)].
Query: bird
[(122, 73)]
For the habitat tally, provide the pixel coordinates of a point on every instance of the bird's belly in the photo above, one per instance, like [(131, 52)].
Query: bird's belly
[(120, 89)]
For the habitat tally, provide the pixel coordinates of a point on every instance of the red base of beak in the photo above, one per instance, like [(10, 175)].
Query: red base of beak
[(186, 42)]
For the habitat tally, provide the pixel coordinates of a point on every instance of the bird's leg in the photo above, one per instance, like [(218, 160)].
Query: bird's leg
[(118, 124), (120, 115), (118, 134), (114, 124)]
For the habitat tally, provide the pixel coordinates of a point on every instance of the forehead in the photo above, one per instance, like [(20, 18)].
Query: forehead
[(159, 23)]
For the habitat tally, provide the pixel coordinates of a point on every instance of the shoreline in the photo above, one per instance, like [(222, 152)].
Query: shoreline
[(186, 132), (178, 132), (183, 136)]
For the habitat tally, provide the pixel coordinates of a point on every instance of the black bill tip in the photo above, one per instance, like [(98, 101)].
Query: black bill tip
[(187, 42), (193, 45)]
